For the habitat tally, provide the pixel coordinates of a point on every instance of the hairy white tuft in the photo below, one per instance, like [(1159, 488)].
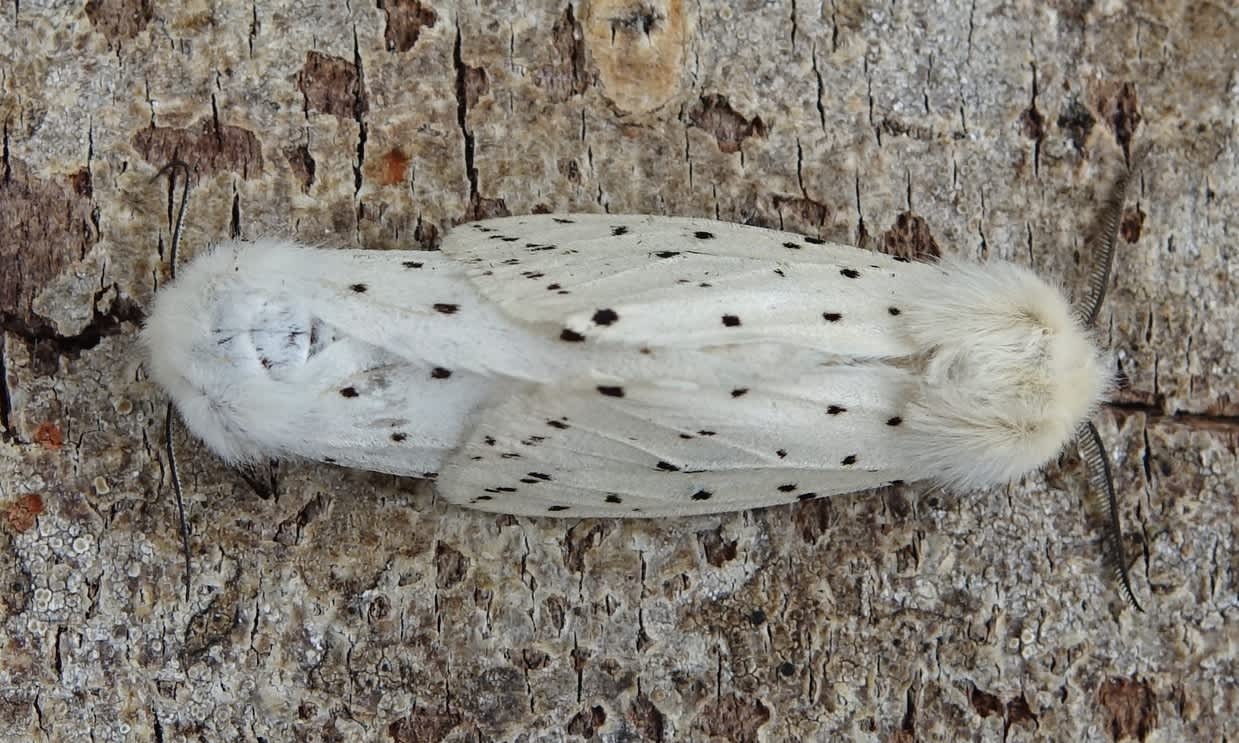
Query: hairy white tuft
[(1008, 373), (218, 390)]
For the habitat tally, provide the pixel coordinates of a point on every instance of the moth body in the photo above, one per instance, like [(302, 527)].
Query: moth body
[(599, 365)]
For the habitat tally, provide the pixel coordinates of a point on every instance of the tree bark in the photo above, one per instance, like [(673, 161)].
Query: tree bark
[(330, 604)]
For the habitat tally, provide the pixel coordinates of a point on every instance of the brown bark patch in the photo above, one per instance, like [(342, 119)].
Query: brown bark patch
[(49, 436), (82, 183), (718, 551), (802, 212), (555, 611), (1019, 712), (450, 566), (1032, 123), (715, 116), (206, 147), (1119, 106), (569, 74), (1132, 224), (21, 514), (423, 727), (405, 21), (734, 718), (481, 207), (119, 19), (649, 721), (302, 164), (390, 168), (213, 625), (910, 238), (332, 85), (639, 49), (813, 518), (985, 704), (1130, 706), (586, 722), (45, 229), (579, 540), (1076, 122)]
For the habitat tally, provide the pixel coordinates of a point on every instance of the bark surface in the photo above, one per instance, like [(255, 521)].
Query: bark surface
[(337, 605)]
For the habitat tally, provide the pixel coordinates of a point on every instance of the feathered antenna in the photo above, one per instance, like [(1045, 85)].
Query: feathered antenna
[(1102, 484), (1102, 246), (1102, 241), (171, 170)]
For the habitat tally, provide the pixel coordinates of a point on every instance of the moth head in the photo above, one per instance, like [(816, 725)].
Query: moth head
[(214, 346), (1009, 373)]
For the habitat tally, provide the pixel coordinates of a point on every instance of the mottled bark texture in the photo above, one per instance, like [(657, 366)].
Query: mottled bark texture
[(338, 605)]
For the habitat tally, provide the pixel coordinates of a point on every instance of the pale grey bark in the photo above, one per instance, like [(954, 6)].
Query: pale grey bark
[(352, 606)]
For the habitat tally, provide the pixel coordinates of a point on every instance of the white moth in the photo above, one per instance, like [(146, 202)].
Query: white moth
[(633, 366)]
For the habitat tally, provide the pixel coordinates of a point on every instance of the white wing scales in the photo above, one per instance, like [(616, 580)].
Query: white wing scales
[(682, 282), (730, 367), (663, 451)]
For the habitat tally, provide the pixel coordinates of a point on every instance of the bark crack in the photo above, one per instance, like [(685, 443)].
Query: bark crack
[(462, 115)]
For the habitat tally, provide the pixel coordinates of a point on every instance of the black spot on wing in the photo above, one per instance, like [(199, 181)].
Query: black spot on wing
[(836, 409), (849, 460), (739, 391), (398, 437), (731, 321), (782, 453), (557, 424), (667, 466), (901, 259), (895, 421), (787, 488), (349, 392), (605, 317), (613, 498), (553, 509), (619, 230), (359, 288), (703, 235), (446, 308), (561, 220), (571, 336), (667, 253), (440, 373), (412, 264), (611, 390), (702, 495), (851, 273), (893, 310), (791, 245), (815, 241), (832, 316)]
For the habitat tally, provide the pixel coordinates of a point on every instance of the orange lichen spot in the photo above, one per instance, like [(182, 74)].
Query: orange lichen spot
[(49, 436), (392, 167), (20, 514)]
